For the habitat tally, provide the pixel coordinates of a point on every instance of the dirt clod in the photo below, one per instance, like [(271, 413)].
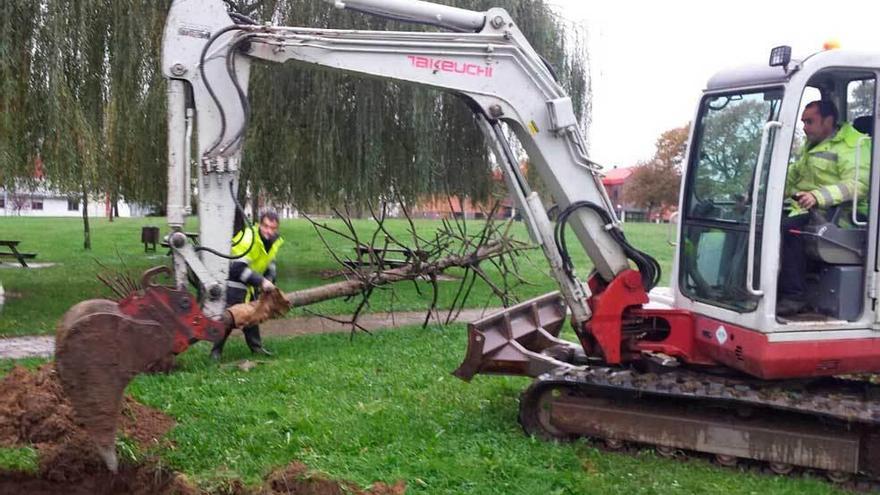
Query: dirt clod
[(298, 479)]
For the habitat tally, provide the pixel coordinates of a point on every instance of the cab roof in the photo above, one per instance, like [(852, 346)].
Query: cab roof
[(762, 75)]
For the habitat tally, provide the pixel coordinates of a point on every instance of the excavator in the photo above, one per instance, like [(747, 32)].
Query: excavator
[(705, 365)]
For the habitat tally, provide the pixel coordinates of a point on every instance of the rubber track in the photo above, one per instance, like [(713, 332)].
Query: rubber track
[(851, 401)]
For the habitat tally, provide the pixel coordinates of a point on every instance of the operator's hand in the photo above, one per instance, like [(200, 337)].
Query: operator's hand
[(805, 199), (267, 285)]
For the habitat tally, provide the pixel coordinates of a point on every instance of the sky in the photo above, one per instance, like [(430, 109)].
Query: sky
[(650, 60)]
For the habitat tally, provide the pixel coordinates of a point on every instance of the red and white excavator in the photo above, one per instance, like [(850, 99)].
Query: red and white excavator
[(704, 365)]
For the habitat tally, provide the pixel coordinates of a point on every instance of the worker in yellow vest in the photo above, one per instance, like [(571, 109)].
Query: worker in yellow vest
[(253, 269), (823, 176)]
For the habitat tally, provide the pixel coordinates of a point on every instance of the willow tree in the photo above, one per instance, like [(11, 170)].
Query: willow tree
[(21, 92), (321, 137), (81, 85), (70, 60), (96, 95)]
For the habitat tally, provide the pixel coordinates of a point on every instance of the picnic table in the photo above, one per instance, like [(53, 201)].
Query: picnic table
[(368, 259), (14, 252)]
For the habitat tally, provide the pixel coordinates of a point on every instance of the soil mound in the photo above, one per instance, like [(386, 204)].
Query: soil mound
[(131, 480), (298, 479), (35, 411)]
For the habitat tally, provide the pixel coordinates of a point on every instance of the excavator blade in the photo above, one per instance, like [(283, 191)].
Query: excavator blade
[(520, 340), (99, 350)]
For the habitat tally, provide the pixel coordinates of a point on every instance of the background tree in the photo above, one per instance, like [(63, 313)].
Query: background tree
[(345, 138), (81, 85), (656, 183), (861, 99), (20, 92)]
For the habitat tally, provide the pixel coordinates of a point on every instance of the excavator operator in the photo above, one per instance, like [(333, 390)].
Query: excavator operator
[(254, 269), (823, 176)]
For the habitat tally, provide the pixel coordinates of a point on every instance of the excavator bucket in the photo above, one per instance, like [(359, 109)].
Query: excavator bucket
[(100, 345), (99, 350), (520, 340)]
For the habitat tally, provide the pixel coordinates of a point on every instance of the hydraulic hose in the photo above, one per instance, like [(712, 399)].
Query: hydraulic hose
[(648, 267)]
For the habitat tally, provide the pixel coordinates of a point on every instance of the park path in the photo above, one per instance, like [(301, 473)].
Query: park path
[(44, 345)]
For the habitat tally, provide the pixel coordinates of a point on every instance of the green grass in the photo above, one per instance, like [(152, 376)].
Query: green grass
[(6, 365), (21, 459), (380, 408), (36, 299), (385, 407)]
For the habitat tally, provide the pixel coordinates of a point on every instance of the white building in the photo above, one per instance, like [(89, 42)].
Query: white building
[(44, 202)]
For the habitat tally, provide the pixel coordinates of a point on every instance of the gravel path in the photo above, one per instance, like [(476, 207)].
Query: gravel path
[(44, 345), (23, 347)]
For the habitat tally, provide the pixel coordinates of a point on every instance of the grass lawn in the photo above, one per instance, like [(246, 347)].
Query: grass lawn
[(385, 407), (36, 298), (381, 408)]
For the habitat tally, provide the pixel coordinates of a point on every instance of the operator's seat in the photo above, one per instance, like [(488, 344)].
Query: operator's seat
[(864, 124), (835, 289)]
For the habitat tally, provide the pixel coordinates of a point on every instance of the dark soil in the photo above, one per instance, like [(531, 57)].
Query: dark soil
[(34, 411), (296, 478)]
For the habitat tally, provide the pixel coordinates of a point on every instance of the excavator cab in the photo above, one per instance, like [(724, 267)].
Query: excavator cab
[(746, 133)]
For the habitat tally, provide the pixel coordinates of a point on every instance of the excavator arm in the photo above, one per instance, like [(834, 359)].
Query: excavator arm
[(487, 61), (483, 58)]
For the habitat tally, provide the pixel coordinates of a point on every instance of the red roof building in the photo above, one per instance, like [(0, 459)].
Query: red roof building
[(615, 184)]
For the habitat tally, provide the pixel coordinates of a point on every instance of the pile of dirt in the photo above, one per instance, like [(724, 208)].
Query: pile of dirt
[(130, 480), (298, 479), (34, 411)]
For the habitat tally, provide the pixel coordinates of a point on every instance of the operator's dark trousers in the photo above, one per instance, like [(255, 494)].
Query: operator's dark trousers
[(236, 295), (793, 259)]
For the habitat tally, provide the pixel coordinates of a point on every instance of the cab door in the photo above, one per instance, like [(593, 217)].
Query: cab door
[(732, 138)]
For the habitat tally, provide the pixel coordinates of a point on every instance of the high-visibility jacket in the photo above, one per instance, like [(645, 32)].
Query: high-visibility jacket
[(828, 170), (258, 260)]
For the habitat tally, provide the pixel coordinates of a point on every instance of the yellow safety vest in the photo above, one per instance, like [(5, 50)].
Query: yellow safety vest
[(828, 170), (258, 259)]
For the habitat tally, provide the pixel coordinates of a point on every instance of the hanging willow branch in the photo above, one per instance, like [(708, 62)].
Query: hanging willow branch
[(322, 137), (80, 83)]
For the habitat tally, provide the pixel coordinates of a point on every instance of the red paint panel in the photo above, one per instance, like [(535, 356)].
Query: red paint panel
[(751, 352), (608, 305), (680, 343)]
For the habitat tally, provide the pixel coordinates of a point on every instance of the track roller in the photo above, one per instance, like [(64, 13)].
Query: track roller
[(667, 452), (838, 476), (781, 468), (614, 444)]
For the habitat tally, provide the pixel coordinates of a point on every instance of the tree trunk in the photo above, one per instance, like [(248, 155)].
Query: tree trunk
[(276, 304), (353, 287), (87, 233), (114, 206), (255, 204)]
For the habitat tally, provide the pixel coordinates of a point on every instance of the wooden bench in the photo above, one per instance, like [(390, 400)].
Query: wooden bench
[(15, 253), (366, 259)]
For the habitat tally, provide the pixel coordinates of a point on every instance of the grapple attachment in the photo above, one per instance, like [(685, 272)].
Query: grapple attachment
[(520, 340)]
